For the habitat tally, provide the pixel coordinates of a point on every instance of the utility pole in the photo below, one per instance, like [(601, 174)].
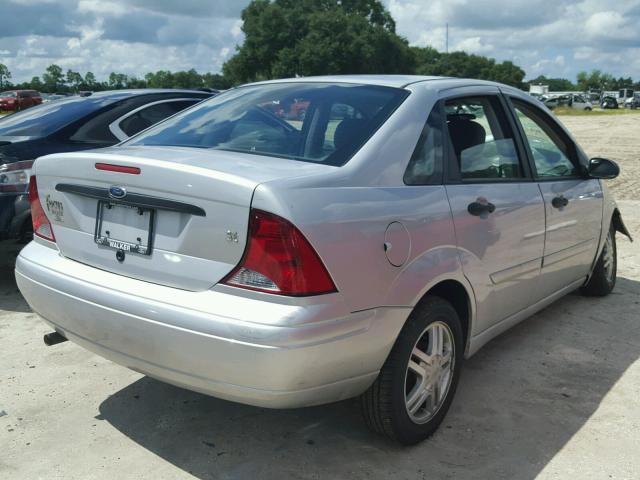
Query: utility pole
[(446, 48)]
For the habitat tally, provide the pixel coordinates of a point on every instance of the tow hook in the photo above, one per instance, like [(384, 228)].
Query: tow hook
[(53, 338)]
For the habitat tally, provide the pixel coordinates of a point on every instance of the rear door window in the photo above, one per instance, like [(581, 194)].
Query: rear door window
[(481, 140)]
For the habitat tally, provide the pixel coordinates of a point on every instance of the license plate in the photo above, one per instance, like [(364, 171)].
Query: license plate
[(124, 227)]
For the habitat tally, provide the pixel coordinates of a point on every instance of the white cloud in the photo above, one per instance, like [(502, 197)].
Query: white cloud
[(553, 38), (136, 36)]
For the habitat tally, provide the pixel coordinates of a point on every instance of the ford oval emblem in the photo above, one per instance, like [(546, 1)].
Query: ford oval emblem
[(117, 192)]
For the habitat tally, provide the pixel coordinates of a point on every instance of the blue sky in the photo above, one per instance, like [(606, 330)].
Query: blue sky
[(556, 38)]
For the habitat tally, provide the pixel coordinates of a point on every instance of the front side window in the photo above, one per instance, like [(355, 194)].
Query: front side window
[(314, 122), (550, 151), (481, 140)]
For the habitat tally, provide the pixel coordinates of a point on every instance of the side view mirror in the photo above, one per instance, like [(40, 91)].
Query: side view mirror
[(603, 168)]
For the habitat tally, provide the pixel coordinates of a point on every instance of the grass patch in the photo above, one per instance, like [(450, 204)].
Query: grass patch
[(562, 111)]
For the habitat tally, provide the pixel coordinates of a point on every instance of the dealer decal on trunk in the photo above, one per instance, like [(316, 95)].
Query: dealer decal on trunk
[(55, 208)]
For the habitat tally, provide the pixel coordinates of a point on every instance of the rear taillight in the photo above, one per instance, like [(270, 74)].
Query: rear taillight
[(14, 177), (279, 259), (41, 224)]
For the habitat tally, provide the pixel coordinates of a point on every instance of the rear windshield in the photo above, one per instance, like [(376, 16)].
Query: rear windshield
[(8, 95), (314, 122), (47, 118)]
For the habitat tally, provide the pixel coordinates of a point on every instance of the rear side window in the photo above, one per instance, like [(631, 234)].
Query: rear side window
[(146, 117), (481, 140), (425, 166), (314, 122), (96, 129)]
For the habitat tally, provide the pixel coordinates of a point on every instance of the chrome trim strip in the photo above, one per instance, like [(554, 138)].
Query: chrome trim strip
[(567, 253), (132, 199), (516, 272)]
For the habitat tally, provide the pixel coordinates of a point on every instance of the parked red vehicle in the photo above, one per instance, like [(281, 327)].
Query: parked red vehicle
[(19, 99)]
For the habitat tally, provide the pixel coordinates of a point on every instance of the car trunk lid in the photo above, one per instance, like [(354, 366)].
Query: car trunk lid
[(181, 221)]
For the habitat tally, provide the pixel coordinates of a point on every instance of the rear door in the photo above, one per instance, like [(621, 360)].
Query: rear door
[(497, 208), (573, 203)]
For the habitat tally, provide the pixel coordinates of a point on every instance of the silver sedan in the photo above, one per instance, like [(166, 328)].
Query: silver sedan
[(303, 241)]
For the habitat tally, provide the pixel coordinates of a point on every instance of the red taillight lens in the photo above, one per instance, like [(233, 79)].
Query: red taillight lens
[(41, 224), (279, 259)]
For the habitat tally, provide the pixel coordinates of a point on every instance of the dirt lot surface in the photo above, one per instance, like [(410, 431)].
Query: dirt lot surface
[(556, 397), (616, 137)]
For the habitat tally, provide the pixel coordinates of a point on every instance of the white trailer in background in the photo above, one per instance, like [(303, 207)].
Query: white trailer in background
[(624, 94), (538, 90)]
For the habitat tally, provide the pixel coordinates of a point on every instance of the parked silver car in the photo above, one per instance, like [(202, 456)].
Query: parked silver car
[(364, 250)]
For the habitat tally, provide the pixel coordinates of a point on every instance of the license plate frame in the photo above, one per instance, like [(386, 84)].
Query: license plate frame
[(104, 239)]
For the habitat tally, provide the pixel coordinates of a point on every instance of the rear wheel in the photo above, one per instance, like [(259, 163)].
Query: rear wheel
[(603, 278), (416, 385)]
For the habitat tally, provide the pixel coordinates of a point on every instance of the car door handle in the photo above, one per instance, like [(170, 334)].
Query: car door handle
[(477, 208), (559, 202)]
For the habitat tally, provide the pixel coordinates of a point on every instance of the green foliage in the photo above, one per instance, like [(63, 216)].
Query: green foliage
[(5, 74), (90, 81), (53, 78), (36, 83), (555, 84), (74, 80), (461, 64), (288, 38)]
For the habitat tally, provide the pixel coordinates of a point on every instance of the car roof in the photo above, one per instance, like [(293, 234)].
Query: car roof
[(397, 81), (145, 91)]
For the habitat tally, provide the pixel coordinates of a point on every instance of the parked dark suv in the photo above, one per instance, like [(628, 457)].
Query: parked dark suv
[(19, 99), (73, 124)]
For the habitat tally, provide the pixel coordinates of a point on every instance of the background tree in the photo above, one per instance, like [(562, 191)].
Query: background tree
[(159, 79), (461, 64), (287, 38), (118, 80), (555, 84), (53, 78), (5, 75), (595, 80), (216, 81), (74, 80), (36, 84), (188, 79), (90, 81)]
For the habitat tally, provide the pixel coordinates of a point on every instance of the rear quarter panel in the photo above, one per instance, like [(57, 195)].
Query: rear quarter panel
[(346, 226)]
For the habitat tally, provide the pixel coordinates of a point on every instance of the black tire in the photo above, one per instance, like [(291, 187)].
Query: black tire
[(603, 279), (383, 405)]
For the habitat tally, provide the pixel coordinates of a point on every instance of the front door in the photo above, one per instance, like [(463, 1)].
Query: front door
[(497, 208), (573, 204)]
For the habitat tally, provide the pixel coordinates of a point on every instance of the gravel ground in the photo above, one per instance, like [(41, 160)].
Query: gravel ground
[(556, 397), (616, 137)]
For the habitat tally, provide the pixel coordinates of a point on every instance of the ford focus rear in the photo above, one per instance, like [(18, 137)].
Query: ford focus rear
[(293, 260)]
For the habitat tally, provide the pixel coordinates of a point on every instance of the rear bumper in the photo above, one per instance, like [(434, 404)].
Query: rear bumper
[(241, 348)]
